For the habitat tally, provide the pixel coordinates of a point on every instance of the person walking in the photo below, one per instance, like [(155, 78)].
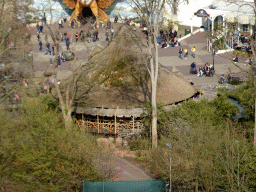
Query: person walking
[(185, 53), (67, 44), (76, 36), (107, 34), (97, 35), (48, 48), (37, 27), (89, 36), (112, 33), (60, 24), (38, 37), (181, 53), (193, 50), (40, 45), (72, 24)]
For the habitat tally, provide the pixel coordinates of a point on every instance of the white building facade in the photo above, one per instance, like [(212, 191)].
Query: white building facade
[(240, 14)]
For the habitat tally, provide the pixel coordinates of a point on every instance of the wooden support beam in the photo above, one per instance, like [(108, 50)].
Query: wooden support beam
[(133, 123), (115, 123), (98, 123)]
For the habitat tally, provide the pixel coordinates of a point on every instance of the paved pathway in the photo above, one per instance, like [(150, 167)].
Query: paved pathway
[(168, 57), (223, 65), (126, 171)]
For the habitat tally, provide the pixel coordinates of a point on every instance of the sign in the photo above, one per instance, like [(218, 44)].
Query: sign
[(201, 13)]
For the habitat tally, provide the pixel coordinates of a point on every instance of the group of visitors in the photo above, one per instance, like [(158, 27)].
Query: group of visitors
[(185, 51), (207, 70), (40, 27), (61, 58), (165, 37)]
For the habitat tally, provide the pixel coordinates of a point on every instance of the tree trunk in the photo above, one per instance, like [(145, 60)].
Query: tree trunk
[(254, 139), (175, 7), (154, 115), (67, 119)]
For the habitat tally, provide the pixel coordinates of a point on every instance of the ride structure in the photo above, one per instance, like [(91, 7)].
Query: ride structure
[(96, 7)]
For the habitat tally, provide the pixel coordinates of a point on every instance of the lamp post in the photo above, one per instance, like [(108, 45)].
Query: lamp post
[(169, 145), (213, 57)]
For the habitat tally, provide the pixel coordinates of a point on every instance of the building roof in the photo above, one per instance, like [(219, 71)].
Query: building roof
[(106, 100), (237, 7)]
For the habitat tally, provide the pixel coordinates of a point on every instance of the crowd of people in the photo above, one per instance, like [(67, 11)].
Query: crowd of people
[(207, 70), (91, 35), (241, 43), (165, 37)]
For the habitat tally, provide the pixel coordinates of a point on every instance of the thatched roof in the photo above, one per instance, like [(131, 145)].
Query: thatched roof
[(136, 112), (125, 101)]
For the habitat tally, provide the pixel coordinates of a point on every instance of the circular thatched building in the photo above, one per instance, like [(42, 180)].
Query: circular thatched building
[(114, 84)]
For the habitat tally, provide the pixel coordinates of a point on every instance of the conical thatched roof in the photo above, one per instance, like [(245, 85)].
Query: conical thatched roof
[(171, 87)]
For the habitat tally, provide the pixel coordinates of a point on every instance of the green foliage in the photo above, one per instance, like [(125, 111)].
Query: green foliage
[(245, 94), (213, 112), (220, 43), (138, 143), (38, 154), (236, 52), (210, 151), (162, 117), (69, 57)]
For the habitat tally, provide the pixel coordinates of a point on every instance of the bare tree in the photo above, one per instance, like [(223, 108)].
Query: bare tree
[(150, 12), (14, 38)]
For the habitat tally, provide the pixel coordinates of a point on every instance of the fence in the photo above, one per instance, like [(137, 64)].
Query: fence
[(125, 186)]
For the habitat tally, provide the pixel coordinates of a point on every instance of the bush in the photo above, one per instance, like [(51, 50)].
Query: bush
[(139, 143), (69, 57), (39, 154)]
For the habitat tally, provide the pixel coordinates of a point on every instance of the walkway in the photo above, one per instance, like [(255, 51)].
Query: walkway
[(223, 65), (168, 57), (126, 171)]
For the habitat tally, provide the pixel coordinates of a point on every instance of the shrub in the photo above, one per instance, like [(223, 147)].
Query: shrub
[(39, 154)]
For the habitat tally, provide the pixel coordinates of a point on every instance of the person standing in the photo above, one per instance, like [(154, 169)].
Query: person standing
[(67, 44), (185, 53), (76, 36), (41, 28), (59, 60), (193, 50), (216, 49), (116, 19), (53, 47), (181, 53)]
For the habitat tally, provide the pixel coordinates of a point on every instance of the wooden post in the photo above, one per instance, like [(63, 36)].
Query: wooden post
[(115, 123), (83, 120), (133, 123), (98, 123)]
